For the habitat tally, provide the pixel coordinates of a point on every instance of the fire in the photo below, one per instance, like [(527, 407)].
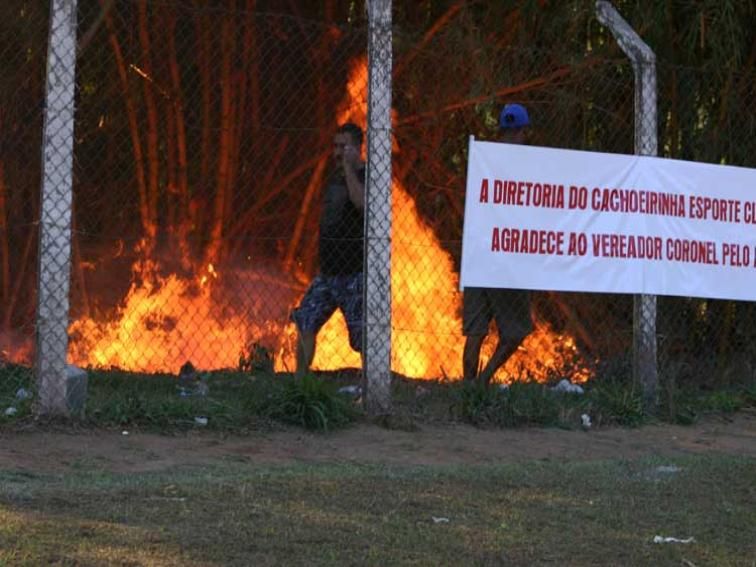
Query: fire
[(425, 297), (162, 323), (166, 320), (211, 275)]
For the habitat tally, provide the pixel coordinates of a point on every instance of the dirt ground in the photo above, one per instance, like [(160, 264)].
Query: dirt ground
[(132, 451)]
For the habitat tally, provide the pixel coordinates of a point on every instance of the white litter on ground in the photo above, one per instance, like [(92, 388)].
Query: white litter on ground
[(662, 539), (567, 387), (350, 390), (585, 421)]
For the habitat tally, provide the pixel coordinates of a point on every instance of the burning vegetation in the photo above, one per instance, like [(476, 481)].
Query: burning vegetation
[(211, 317)]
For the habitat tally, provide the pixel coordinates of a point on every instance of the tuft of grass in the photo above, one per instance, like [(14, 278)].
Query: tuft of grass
[(612, 402), (523, 403), (157, 402), (723, 401), (310, 403), (478, 404), (531, 403), (14, 377), (749, 395), (253, 398), (685, 405)]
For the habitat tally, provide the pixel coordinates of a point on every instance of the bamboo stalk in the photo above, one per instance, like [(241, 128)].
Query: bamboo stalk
[(79, 268), (182, 174), (131, 113), (4, 247), (437, 26), (153, 166), (315, 182), (203, 49), (503, 92), (273, 189), (11, 305), (225, 138)]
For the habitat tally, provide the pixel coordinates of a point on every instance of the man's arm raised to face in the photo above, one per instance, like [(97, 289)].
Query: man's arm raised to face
[(355, 186)]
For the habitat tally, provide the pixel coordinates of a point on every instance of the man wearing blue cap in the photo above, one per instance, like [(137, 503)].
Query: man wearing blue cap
[(510, 308), (513, 124)]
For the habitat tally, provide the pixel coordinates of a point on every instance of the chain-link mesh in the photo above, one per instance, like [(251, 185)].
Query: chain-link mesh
[(206, 167), (705, 116), (204, 157), (23, 50), (584, 103), (581, 94)]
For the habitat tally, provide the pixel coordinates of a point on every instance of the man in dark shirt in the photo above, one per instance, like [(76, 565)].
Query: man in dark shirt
[(510, 308), (338, 285)]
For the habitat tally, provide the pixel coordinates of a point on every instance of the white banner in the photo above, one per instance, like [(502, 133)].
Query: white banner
[(565, 220)]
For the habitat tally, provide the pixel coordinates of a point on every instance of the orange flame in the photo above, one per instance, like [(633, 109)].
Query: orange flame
[(164, 321)]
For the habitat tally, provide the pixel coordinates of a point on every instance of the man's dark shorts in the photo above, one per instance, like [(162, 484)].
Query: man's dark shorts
[(324, 296), (509, 307)]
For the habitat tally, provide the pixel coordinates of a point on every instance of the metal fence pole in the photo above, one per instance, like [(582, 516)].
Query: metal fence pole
[(377, 336), (55, 217), (644, 306)]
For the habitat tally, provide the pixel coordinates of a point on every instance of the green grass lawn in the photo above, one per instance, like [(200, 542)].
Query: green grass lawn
[(241, 401), (537, 513)]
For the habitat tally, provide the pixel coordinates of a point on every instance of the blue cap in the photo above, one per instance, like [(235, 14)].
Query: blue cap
[(513, 116)]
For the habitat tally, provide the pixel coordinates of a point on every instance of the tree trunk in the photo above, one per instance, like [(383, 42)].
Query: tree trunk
[(79, 267), (153, 165), (244, 79), (19, 283), (4, 248), (204, 51), (170, 218), (225, 141), (315, 182), (131, 112), (181, 178)]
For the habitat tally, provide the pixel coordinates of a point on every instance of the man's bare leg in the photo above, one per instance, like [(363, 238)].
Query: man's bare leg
[(504, 349), (305, 352), (471, 356)]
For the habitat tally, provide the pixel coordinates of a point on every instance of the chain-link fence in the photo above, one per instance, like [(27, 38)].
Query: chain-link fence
[(23, 50), (703, 116), (214, 205)]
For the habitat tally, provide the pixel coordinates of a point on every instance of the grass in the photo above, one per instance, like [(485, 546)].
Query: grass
[(237, 513), (595, 513), (310, 403), (234, 401), (240, 401)]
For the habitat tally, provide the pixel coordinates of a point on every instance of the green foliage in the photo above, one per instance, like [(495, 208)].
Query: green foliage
[(749, 395), (723, 401), (236, 401), (157, 402), (478, 404), (606, 402), (310, 403), (13, 378), (614, 402), (533, 403), (523, 403)]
